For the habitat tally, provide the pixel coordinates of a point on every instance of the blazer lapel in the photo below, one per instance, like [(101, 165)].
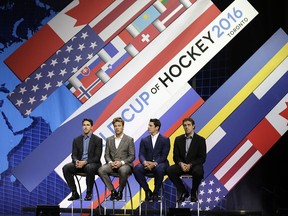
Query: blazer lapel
[(113, 144), (121, 144), (150, 142), (191, 144)]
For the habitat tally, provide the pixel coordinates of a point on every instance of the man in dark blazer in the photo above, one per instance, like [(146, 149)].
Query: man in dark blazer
[(119, 157), (189, 155), (86, 155), (153, 153)]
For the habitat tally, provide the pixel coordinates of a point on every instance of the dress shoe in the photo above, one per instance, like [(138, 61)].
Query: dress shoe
[(193, 197), (113, 195), (74, 196), (88, 197), (183, 196), (119, 195), (148, 196)]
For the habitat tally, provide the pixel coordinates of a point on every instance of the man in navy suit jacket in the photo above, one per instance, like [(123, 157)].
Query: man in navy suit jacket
[(153, 153), (86, 155), (189, 155)]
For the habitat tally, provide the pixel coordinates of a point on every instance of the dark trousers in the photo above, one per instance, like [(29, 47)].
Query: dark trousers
[(69, 170), (174, 172), (159, 171)]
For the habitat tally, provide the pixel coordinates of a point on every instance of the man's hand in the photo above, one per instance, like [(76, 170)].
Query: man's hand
[(148, 165), (185, 167), (116, 164), (80, 164)]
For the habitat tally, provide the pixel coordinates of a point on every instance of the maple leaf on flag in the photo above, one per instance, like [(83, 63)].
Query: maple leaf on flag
[(284, 113)]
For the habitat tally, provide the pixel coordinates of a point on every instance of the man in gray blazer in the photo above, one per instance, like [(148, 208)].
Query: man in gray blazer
[(119, 157), (86, 155)]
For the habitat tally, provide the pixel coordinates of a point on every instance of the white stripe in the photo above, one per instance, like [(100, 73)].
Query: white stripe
[(243, 170), (122, 19), (214, 138), (172, 13), (103, 14), (268, 83), (231, 161), (146, 55)]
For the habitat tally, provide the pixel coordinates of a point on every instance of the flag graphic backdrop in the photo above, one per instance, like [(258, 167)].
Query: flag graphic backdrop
[(257, 135), (105, 29), (138, 100)]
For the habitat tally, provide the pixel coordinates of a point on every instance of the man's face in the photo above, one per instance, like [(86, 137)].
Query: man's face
[(87, 127), (152, 129), (188, 127), (118, 128)]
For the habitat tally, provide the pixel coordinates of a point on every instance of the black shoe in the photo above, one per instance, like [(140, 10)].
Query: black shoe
[(113, 195), (74, 196), (119, 195), (183, 196), (148, 195), (156, 198), (193, 197), (88, 197)]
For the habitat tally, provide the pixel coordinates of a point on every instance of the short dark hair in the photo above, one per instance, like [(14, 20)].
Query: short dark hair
[(156, 122), (89, 120), (190, 120), (118, 119)]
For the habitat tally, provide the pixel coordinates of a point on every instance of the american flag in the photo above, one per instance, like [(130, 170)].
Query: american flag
[(106, 25), (52, 36), (57, 69), (233, 168)]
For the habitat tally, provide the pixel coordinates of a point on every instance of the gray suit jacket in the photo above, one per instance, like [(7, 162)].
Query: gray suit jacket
[(125, 152)]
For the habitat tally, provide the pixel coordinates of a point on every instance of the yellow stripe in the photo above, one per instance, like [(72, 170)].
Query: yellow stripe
[(225, 111), (244, 92)]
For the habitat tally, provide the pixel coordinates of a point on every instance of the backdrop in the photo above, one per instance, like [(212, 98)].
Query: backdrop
[(184, 68)]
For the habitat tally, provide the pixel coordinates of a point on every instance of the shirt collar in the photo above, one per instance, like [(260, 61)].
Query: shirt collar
[(87, 136), (155, 136), (189, 137), (119, 137)]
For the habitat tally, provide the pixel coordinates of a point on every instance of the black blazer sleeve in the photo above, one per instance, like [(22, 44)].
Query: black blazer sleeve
[(95, 149)]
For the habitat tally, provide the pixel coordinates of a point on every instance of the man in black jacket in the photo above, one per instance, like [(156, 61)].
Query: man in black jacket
[(189, 155), (86, 155)]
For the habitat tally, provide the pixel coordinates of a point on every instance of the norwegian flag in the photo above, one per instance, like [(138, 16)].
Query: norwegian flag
[(142, 31), (100, 69)]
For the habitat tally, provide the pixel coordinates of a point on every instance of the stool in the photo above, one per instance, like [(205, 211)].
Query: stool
[(177, 203), (117, 175), (151, 175), (78, 177)]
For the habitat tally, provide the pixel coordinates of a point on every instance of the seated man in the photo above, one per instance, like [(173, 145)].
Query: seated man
[(189, 155), (153, 153), (86, 155), (119, 156)]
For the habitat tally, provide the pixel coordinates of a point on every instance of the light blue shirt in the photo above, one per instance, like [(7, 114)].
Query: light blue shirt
[(86, 141)]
